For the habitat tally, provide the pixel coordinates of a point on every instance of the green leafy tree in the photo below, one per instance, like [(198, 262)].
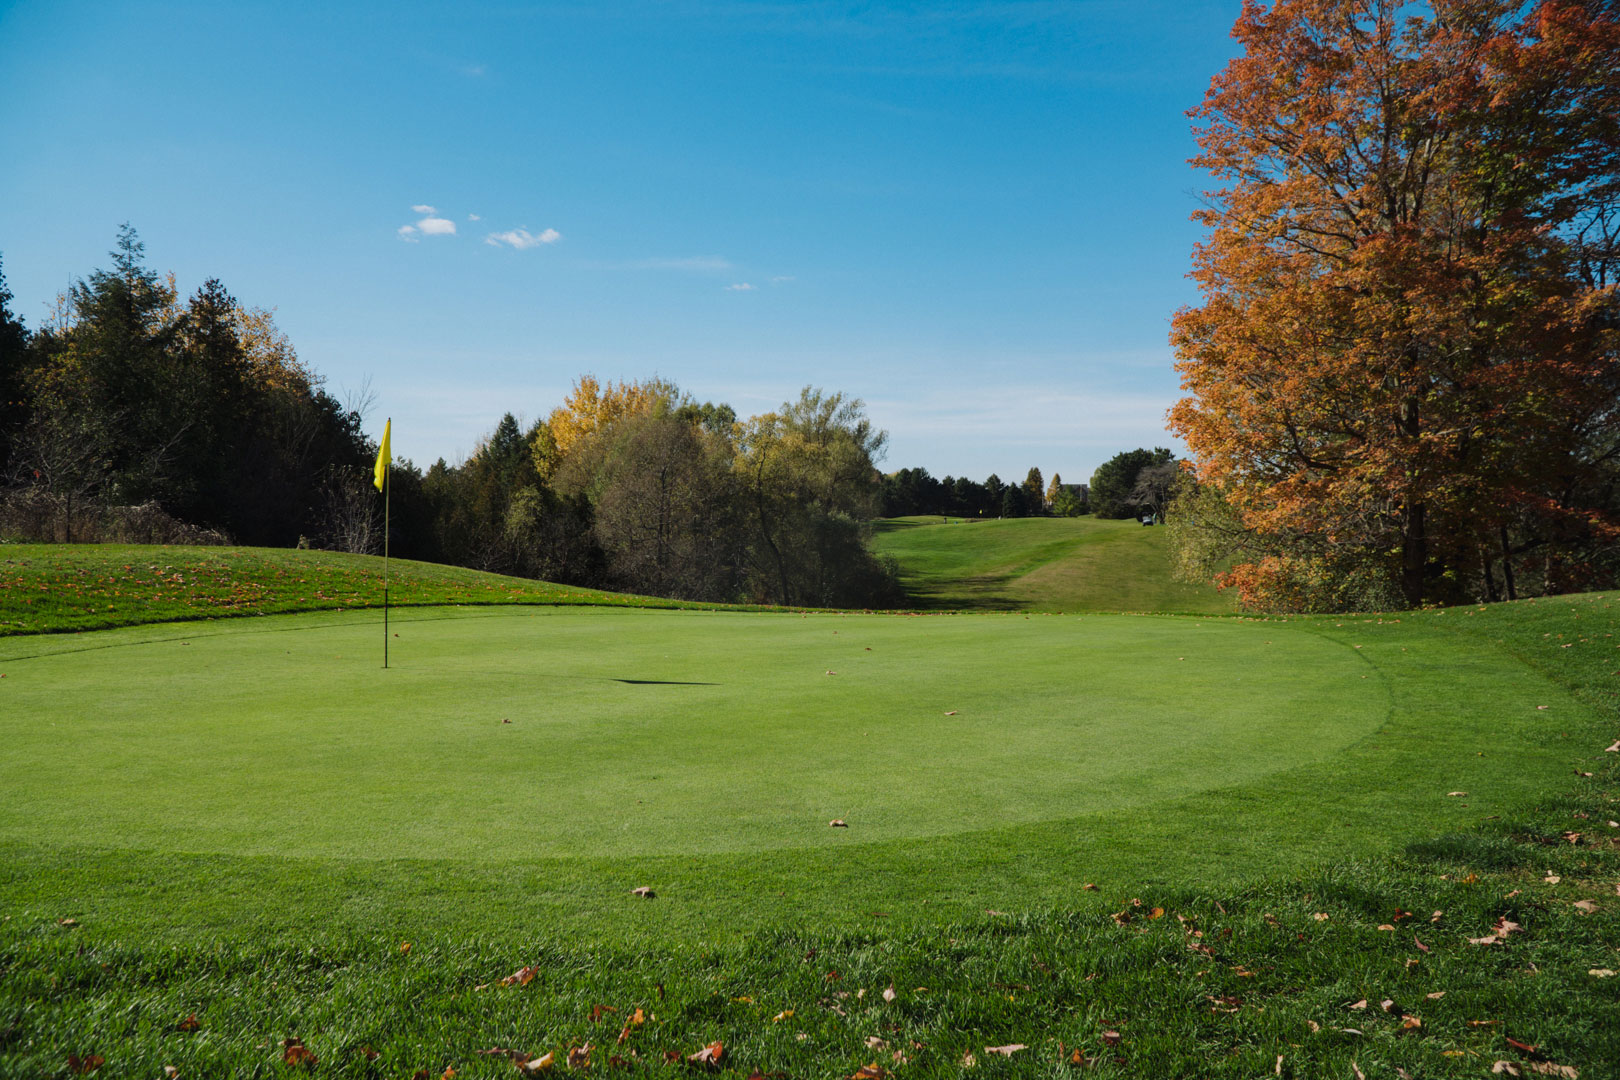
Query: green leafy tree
[(1115, 480)]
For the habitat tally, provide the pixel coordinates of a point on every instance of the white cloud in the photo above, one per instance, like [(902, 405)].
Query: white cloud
[(523, 239), (780, 278), (408, 232), (437, 226), (474, 217), (423, 208), (741, 286)]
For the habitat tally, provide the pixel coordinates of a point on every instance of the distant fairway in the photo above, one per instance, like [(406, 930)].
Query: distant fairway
[(1040, 564)]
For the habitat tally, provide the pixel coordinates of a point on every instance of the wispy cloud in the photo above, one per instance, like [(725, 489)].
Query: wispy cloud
[(430, 224), (698, 263), (741, 286), (523, 239), (423, 208), (474, 71), (781, 279), (408, 232), (474, 217)]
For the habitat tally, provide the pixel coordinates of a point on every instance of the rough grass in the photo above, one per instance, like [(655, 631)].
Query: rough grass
[(1039, 564), (50, 588)]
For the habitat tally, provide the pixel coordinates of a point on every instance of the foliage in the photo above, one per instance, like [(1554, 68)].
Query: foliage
[(1404, 364), (1113, 485), (129, 396)]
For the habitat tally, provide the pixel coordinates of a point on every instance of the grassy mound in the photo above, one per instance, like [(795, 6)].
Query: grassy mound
[(1039, 564), (47, 588)]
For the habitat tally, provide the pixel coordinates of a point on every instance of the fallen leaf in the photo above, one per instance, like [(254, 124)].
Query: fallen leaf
[(536, 1066), (1489, 939), (1505, 926), (1385, 926), (1552, 879), (579, 1057), (1111, 1038), (1601, 973), (644, 892), (88, 1063), (709, 1055), (1457, 794), (1585, 907), (1483, 1023), (888, 993), (1156, 913), (449, 1073), (951, 713), (296, 1054), (1005, 1051), (1278, 1070), (190, 1023), (170, 1072), (638, 1018), (785, 1014), (1525, 1048), (69, 922), (405, 948), (1411, 1023), (838, 823), (1547, 1068), (1436, 916), (1354, 1068), (1504, 1067), (598, 1011), (1089, 887), (875, 1043), (1615, 749), (1320, 916), (523, 976), (1358, 1006), (1436, 996), (870, 1071)]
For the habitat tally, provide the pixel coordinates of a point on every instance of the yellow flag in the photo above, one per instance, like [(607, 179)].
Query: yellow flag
[(383, 457)]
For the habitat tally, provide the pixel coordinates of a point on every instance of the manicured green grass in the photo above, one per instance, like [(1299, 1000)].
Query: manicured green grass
[(245, 819), (65, 587), (1039, 564)]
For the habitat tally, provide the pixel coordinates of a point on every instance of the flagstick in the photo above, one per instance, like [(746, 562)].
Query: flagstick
[(386, 486)]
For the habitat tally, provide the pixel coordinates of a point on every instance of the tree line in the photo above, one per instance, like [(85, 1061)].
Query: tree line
[(1134, 483), (133, 414)]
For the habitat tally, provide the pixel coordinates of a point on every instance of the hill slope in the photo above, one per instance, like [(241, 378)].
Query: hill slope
[(1040, 564), (48, 588)]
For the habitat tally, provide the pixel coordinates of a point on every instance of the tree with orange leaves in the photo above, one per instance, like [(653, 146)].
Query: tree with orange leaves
[(1404, 369)]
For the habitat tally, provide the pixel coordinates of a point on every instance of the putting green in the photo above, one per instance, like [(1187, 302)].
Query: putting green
[(643, 732)]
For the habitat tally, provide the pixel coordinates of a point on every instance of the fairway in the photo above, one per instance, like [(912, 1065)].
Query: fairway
[(1040, 564), (544, 733)]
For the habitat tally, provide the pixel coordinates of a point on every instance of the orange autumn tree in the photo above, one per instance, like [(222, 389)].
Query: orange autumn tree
[(1403, 372)]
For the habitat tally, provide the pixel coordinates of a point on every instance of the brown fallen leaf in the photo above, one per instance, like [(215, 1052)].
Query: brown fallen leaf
[(888, 993), (1005, 1051), (579, 1057), (1411, 1023), (1585, 907), (838, 823), (523, 976), (1552, 879), (1320, 916), (405, 948), (599, 1011), (190, 1023), (1357, 1006), (170, 1073), (1421, 947), (785, 1014), (69, 922), (1111, 1038), (1547, 1068), (644, 892), (870, 1071), (1615, 749), (1600, 973), (951, 713), (1457, 794), (1156, 913), (87, 1064), (709, 1055), (536, 1066), (449, 1073), (1436, 996), (875, 1043), (296, 1054), (1505, 926), (1504, 1067), (1089, 887), (1489, 939), (1385, 926), (1354, 1068), (1524, 1048)]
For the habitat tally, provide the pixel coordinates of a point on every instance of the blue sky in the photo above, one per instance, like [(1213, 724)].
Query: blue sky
[(971, 215)]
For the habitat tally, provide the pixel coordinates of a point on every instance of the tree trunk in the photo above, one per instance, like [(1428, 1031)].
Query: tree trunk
[(1414, 555), (1507, 566)]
